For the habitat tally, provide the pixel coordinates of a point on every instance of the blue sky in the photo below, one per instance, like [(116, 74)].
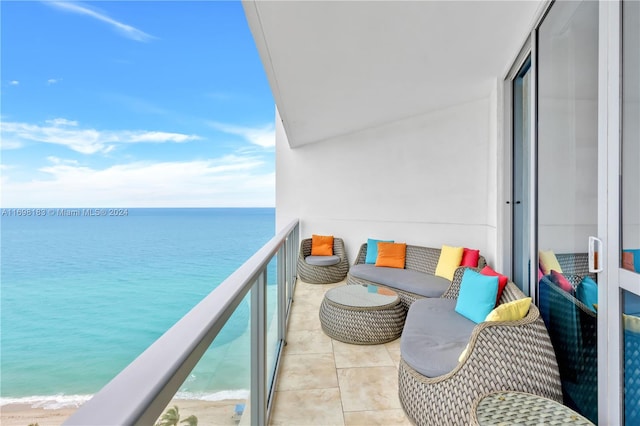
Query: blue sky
[(133, 104)]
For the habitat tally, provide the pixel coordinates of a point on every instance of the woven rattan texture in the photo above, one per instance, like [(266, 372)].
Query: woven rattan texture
[(632, 377), (421, 259), (313, 274), (518, 408), (362, 326), (575, 264), (505, 355)]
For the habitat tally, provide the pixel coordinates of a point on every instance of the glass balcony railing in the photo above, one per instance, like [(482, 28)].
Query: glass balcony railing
[(239, 327)]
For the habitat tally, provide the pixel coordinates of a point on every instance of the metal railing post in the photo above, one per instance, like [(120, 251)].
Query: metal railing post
[(282, 293), (259, 351)]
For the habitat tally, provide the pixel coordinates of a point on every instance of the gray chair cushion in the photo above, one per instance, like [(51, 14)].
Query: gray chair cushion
[(322, 260), (434, 336), (415, 282)]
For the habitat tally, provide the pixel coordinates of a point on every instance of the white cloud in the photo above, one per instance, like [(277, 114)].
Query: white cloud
[(14, 82), (62, 122), (126, 30), (56, 160), (229, 181), (53, 81), (8, 143), (159, 136), (261, 136), (68, 133)]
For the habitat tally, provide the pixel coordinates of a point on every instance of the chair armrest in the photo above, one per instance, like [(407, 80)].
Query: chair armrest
[(510, 354), (454, 289), (362, 254)]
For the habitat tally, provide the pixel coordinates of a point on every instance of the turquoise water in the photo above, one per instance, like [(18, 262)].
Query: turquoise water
[(81, 297)]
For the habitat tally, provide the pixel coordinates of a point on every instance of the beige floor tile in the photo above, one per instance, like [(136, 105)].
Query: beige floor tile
[(317, 288), (307, 342), (379, 417), (308, 407), (305, 303), (369, 388), (393, 345), (348, 356), (305, 320), (307, 371), (394, 351), (395, 356)]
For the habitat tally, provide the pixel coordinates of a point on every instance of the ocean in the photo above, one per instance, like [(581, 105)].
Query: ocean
[(83, 294)]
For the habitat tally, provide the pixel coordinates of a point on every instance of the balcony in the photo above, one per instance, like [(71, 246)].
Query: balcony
[(295, 373)]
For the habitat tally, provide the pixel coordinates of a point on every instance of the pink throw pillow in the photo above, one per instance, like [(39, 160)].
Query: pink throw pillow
[(558, 279), (502, 280), (470, 257)]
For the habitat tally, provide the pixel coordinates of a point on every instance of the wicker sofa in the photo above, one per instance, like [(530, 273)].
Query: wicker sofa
[(416, 281), (507, 355), (319, 273)]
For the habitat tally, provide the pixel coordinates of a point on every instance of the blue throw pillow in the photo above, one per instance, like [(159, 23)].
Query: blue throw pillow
[(477, 295), (372, 249), (587, 292)]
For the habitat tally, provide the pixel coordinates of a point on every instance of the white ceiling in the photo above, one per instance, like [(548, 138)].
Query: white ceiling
[(340, 67)]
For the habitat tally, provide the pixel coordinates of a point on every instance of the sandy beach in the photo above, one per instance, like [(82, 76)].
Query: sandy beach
[(208, 413)]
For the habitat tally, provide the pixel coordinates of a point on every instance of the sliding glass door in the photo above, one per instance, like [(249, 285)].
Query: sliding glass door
[(578, 168), (629, 247), (567, 194)]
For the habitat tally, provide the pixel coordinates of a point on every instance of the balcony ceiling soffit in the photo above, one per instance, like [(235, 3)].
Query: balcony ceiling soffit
[(336, 68)]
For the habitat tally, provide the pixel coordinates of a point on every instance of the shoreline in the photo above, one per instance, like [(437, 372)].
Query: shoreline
[(207, 412)]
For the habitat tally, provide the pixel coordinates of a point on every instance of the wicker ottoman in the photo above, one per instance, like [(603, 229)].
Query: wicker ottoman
[(362, 314)]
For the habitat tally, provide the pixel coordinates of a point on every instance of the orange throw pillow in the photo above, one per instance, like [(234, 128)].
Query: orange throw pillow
[(627, 261), (391, 255), (322, 245)]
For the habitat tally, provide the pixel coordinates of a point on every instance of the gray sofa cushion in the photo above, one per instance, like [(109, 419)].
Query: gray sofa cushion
[(322, 260), (426, 285), (434, 336)]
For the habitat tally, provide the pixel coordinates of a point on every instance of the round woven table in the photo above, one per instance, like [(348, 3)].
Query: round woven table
[(362, 314), (521, 408)]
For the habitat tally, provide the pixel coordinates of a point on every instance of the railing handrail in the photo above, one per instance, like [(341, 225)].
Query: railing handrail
[(140, 392)]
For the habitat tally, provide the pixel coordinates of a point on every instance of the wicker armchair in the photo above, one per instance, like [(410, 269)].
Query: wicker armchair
[(505, 355), (573, 329), (422, 259), (314, 274)]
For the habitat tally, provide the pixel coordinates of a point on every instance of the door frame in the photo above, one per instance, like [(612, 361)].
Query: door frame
[(616, 279), (505, 202)]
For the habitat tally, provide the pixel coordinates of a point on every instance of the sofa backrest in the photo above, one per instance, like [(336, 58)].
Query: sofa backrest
[(422, 259), (574, 264), (510, 293), (418, 258)]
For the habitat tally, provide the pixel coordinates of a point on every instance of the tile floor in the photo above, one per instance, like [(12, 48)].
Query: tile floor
[(326, 382)]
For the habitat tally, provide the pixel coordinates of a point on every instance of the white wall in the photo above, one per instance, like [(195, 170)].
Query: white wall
[(426, 180)]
